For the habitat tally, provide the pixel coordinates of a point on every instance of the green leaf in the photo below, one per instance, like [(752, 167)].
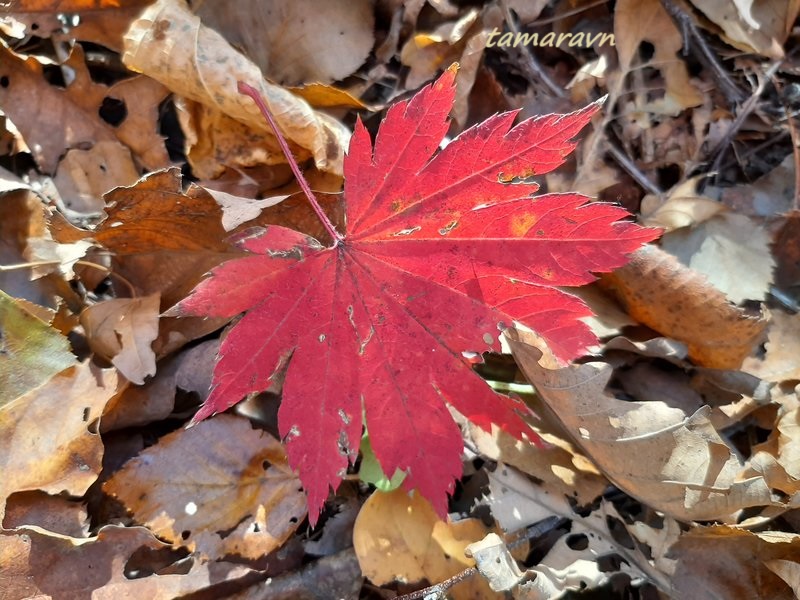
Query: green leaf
[(31, 352), (371, 472)]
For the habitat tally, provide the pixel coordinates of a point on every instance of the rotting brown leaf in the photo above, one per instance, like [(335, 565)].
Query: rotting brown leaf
[(218, 488)]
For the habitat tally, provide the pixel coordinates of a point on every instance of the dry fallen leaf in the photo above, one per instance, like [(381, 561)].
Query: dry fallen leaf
[(760, 27), (674, 462), (399, 537), (55, 447), (781, 361), (171, 45), (296, 41), (636, 21), (731, 250), (722, 562), (37, 564), (122, 331), (218, 488), (658, 291)]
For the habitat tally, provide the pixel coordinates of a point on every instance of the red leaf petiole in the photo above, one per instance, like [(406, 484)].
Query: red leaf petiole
[(248, 90)]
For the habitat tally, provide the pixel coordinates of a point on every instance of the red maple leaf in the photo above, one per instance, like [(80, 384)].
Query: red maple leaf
[(440, 255)]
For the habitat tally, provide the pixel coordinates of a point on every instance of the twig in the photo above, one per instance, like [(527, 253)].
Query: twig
[(438, 591), (694, 39), (748, 107), (535, 70), (83, 263), (626, 163)]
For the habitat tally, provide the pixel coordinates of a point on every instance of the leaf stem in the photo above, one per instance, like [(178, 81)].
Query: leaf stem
[(262, 106)]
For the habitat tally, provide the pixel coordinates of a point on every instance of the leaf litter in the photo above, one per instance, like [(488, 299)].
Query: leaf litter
[(663, 465)]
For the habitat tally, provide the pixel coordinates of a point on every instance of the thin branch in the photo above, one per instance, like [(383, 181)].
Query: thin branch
[(626, 163), (535, 70), (694, 39), (248, 90), (440, 589)]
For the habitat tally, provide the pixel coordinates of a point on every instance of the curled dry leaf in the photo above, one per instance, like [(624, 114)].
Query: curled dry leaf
[(674, 462), (52, 513), (52, 447), (218, 488), (40, 565), (122, 331), (32, 351), (296, 41), (676, 301), (707, 557), (171, 45), (399, 537)]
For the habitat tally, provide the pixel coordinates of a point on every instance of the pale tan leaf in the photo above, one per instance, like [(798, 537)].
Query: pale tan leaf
[(398, 537)]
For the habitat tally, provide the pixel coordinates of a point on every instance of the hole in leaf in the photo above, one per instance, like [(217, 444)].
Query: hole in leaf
[(113, 111), (4, 81), (577, 541)]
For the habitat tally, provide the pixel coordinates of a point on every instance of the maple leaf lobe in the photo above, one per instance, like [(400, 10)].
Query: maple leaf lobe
[(439, 254)]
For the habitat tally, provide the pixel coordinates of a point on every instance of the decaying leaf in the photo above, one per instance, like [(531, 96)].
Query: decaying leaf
[(219, 488), (48, 439)]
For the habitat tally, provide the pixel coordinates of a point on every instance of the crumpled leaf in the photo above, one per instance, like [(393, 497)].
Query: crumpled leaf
[(427, 238), (399, 537), (219, 488), (674, 462), (171, 45), (52, 447), (31, 352), (123, 330)]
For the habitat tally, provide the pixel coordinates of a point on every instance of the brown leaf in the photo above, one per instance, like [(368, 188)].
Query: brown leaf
[(120, 563), (122, 331), (51, 447), (707, 557), (52, 513), (674, 462), (676, 301), (218, 488), (171, 45), (398, 537)]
